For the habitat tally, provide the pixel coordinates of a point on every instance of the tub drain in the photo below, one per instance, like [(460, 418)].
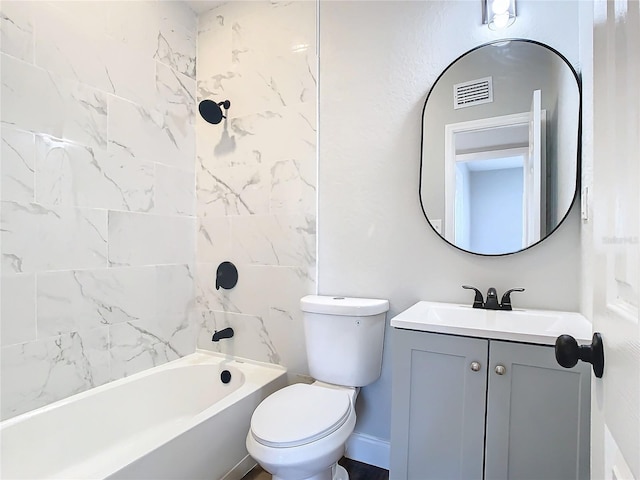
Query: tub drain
[(225, 376)]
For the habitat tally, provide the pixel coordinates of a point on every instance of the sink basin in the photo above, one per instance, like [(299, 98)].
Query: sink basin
[(531, 326)]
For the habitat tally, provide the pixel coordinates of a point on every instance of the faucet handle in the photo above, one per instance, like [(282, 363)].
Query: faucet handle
[(478, 301), (505, 304)]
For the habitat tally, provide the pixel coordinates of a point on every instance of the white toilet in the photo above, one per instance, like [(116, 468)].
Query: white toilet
[(300, 432)]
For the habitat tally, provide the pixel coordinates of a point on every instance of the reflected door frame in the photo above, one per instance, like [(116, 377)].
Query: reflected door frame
[(451, 157)]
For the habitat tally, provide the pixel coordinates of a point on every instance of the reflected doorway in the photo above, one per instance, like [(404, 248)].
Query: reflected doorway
[(489, 201), (495, 182)]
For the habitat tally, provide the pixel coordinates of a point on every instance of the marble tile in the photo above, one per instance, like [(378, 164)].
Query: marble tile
[(293, 187), (18, 165), (163, 134), (40, 102), (177, 47), (175, 290), (71, 301), (256, 176), (136, 25), (268, 70), (85, 119), (136, 346), (209, 298), (177, 14), (213, 239), (232, 191), (250, 340), (214, 43), (175, 191), (214, 87), (97, 60), (35, 238), (38, 373), (215, 31), (16, 29), (263, 84), (176, 88), (284, 318), (164, 31), (18, 316), (131, 74), (177, 94), (92, 16), (259, 290), (142, 239), (285, 240), (65, 46), (261, 139), (216, 145), (292, 29), (286, 329), (71, 174)]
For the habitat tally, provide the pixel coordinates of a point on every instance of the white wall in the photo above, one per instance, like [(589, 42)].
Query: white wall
[(377, 63), (98, 211)]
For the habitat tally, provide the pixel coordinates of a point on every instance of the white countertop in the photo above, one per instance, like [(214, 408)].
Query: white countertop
[(518, 325)]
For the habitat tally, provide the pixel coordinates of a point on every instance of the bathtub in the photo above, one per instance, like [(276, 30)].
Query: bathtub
[(175, 421)]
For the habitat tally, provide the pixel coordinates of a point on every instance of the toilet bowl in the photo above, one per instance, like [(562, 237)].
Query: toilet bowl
[(300, 432)]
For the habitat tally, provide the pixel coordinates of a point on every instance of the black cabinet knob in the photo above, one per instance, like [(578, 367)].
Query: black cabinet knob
[(568, 352)]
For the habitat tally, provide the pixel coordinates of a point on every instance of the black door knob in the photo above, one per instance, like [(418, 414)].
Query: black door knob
[(568, 352)]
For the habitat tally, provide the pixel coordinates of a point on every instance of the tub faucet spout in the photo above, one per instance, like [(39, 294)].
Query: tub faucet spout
[(219, 335)]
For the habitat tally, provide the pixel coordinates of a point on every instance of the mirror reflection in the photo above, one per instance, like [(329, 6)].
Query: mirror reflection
[(500, 147)]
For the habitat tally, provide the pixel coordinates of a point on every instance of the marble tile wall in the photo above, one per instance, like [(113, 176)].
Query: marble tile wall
[(256, 177), (98, 212)]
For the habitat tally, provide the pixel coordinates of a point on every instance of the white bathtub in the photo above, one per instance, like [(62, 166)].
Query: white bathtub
[(176, 421)]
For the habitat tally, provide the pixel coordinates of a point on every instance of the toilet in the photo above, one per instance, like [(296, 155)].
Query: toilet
[(300, 432)]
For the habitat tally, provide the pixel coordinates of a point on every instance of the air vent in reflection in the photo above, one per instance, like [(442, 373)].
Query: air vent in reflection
[(472, 93)]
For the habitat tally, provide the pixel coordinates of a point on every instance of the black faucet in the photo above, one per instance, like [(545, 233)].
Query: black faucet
[(219, 335), (492, 298)]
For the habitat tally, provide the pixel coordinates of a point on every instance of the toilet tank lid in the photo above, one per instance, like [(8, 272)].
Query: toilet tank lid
[(337, 305)]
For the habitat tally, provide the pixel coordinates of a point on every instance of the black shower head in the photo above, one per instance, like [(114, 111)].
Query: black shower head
[(211, 110)]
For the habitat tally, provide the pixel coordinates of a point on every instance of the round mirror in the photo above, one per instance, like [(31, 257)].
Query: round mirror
[(500, 137)]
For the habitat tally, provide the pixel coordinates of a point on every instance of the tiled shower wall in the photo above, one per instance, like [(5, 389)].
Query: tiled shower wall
[(98, 193), (256, 176)]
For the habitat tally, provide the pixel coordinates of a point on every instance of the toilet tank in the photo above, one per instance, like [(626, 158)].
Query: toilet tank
[(344, 338)]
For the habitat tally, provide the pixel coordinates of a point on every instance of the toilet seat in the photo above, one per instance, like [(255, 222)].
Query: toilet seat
[(299, 414)]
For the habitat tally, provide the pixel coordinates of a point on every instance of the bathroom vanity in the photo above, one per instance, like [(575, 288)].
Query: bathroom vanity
[(479, 394)]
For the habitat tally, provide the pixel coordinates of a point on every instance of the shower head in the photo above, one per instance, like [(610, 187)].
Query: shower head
[(211, 111)]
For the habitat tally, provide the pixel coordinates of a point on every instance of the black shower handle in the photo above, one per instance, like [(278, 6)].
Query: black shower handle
[(226, 276)]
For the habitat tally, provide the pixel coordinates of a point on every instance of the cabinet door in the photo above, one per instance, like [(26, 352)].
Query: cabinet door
[(537, 415), (437, 422)]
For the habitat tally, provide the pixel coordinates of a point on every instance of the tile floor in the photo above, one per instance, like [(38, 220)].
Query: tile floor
[(357, 471)]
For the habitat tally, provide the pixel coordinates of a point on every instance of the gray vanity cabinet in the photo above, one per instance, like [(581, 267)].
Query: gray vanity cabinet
[(470, 408)]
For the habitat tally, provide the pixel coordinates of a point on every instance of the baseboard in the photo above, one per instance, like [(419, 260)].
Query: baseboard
[(367, 449), (241, 469)]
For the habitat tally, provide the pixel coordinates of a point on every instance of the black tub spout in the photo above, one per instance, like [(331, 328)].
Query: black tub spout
[(225, 333)]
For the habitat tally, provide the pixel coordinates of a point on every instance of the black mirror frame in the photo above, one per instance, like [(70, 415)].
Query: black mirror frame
[(578, 144)]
